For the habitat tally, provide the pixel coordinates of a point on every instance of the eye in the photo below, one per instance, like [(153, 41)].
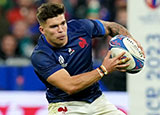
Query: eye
[(63, 23), (53, 26)]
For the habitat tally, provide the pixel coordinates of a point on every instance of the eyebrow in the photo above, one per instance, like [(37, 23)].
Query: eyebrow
[(55, 25)]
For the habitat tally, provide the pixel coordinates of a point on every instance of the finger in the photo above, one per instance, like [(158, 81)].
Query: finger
[(142, 51), (122, 70), (122, 66), (117, 62), (122, 61), (120, 55), (140, 46), (108, 54)]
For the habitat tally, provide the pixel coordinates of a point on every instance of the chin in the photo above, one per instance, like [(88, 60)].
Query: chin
[(64, 42), (61, 44)]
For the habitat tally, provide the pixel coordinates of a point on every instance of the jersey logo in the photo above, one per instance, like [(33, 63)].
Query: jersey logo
[(61, 61), (82, 42), (71, 51)]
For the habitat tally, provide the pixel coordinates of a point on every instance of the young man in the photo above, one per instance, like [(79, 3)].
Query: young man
[(62, 60)]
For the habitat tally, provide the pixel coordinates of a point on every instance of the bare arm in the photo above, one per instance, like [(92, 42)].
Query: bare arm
[(113, 29), (73, 84), (76, 83)]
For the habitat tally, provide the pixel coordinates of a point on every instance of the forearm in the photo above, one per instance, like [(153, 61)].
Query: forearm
[(113, 29), (73, 84), (84, 80)]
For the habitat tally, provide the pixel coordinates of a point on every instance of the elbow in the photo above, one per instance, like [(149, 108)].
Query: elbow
[(71, 90)]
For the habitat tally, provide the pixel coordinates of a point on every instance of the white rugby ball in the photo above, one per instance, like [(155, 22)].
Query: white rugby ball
[(119, 44)]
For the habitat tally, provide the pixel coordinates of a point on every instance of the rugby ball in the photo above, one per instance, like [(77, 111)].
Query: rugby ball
[(119, 44)]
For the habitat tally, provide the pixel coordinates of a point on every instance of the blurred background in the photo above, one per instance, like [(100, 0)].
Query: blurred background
[(19, 34)]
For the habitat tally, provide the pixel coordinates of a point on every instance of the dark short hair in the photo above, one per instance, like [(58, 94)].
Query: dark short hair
[(49, 10)]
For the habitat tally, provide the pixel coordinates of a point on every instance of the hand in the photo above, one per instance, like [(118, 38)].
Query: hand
[(140, 46), (116, 63)]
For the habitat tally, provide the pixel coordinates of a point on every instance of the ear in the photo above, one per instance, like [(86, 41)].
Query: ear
[(41, 29)]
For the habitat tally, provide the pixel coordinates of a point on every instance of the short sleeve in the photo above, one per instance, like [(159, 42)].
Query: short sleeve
[(44, 64), (94, 27)]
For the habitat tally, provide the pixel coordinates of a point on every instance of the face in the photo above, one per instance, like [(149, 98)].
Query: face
[(55, 31), (9, 45)]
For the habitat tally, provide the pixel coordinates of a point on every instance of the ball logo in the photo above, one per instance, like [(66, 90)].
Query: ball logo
[(153, 4)]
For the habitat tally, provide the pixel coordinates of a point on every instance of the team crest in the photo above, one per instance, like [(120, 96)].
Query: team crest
[(82, 42)]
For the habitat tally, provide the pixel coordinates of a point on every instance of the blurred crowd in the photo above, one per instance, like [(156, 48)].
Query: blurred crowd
[(19, 28)]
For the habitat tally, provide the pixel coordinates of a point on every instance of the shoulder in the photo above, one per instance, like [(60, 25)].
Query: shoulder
[(42, 47), (81, 26), (41, 54), (80, 23)]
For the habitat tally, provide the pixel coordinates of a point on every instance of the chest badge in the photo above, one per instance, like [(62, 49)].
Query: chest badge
[(71, 51), (62, 61), (82, 42)]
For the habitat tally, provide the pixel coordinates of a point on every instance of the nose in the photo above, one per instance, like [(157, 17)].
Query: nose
[(60, 28)]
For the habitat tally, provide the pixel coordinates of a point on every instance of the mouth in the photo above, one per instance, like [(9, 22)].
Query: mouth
[(61, 37)]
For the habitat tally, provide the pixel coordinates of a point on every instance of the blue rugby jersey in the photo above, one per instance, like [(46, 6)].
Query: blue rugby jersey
[(75, 57)]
